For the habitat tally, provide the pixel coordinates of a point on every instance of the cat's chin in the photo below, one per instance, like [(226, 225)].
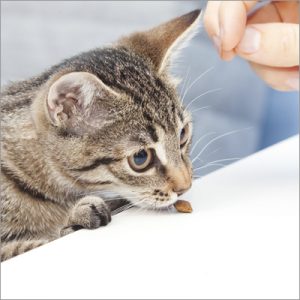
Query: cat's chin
[(152, 204)]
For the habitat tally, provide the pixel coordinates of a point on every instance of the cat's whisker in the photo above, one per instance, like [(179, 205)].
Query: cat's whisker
[(196, 80), (184, 85), (91, 193), (159, 210), (225, 159), (211, 153), (121, 209), (109, 192), (200, 108), (209, 165), (121, 198), (199, 140), (114, 198), (201, 95), (168, 209), (126, 207), (141, 208), (217, 138), (218, 161)]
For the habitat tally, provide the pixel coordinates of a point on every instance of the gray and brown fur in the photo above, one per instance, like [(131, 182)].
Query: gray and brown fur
[(67, 135)]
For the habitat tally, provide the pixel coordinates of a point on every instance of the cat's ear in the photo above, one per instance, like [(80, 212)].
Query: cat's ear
[(160, 43), (71, 97)]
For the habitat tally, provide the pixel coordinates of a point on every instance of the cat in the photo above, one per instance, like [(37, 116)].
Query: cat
[(98, 130)]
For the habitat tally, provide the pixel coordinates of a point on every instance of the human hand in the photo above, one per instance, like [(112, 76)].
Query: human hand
[(268, 38)]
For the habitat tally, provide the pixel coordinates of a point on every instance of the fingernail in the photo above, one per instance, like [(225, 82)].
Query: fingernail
[(217, 43), (250, 42), (227, 55), (293, 83)]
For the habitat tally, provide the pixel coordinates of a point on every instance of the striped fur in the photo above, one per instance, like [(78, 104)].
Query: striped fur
[(67, 135), (15, 248)]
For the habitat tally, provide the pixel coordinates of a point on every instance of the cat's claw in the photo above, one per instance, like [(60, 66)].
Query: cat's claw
[(89, 213)]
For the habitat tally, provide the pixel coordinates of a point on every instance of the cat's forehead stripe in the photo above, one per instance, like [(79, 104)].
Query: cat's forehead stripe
[(160, 146), (161, 153)]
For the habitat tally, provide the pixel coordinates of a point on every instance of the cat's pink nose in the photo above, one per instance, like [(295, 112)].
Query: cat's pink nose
[(179, 179), (181, 191)]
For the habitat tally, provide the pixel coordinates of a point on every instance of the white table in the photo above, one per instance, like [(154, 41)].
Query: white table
[(242, 241)]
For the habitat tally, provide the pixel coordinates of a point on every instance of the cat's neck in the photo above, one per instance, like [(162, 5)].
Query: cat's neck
[(24, 156)]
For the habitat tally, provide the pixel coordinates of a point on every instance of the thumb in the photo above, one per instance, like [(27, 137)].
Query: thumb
[(271, 44)]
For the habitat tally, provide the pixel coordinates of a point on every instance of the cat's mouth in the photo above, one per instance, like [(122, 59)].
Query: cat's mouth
[(157, 199), (162, 200)]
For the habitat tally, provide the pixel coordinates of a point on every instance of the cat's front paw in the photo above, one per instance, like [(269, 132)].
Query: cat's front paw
[(90, 213)]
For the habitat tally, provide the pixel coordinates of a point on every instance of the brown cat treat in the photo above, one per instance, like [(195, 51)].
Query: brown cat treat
[(183, 206), (107, 124)]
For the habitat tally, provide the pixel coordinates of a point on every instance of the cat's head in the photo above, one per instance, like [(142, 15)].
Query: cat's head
[(111, 119)]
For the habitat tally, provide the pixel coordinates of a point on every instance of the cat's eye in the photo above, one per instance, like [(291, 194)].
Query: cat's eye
[(140, 161), (184, 135)]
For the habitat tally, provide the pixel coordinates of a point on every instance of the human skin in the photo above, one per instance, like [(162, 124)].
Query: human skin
[(268, 39)]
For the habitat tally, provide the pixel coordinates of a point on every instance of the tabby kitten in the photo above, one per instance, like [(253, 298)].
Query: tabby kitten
[(108, 120)]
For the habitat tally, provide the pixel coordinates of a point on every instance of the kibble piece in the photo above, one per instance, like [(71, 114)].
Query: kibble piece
[(183, 206)]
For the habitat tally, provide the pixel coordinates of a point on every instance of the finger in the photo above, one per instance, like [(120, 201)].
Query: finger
[(282, 79), (272, 44), (266, 14), (211, 19), (211, 22), (288, 11), (227, 55), (232, 22)]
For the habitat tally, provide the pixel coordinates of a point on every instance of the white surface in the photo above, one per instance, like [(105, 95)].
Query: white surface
[(242, 241)]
